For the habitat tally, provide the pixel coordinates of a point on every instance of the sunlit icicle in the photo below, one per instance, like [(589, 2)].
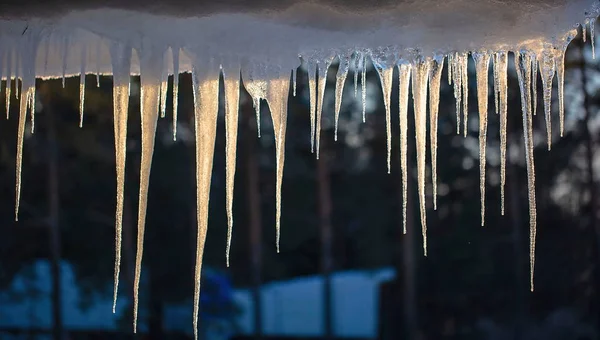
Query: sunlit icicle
[(501, 64), (482, 61), (8, 80), (592, 38), (294, 80), (404, 71), (312, 89), (18, 77), (523, 66), (559, 61), (151, 63), (464, 67), (121, 66), (420, 75), (534, 73), (340, 80), (450, 68), (547, 69), (496, 84), (356, 68), (255, 84), (322, 81), (28, 52), (206, 108), (435, 76), (363, 84), (82, 83), (457, 75), (231, 77), (65, 56), (164, 86), (175, 89), (385, 69)]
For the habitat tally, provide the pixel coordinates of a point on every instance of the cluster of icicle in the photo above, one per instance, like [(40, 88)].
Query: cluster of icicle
[(272, 83)]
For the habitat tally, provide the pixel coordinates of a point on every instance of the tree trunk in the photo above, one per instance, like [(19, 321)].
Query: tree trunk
[(326, 233), (254, 209), (54, 223)]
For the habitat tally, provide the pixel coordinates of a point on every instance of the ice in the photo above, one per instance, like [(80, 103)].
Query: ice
[(482, 61), (312, 89), (457, 78), (592, 37), (547, 67), (151, 62), (500, 69), (82, 84), (205, 76), (534, 74), (363, 83), (340, 80), (559, 61), (404, 70), (434, 102), (231, 77), (294, 81), (323, 66), (523, 63), (175, 89), (8, 80), (384, 62), (164, 86), (356, 69), (463, 60), (420, 75), (121, 60)]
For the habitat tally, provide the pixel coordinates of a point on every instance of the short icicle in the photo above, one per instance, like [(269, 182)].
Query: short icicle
[(592, 37), (294, 80), (356, 68), (277, 98), (231, 77), (151, 62), (82, 83), (404, 82), (523, 66), (164, 86), (175, 51), (98, 62), (8, 80), (385, 69), (312, 89), (501, 65), (121, 66), (340, 80), (547, 69), (420, 75), (435, 77), (457, 77), (363, 83), (534, 73), (496, 84), (323, 66), (464, 69), (482, 61), (206, 107)]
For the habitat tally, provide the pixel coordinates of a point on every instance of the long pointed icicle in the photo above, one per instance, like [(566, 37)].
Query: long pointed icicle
[(559, 60), (457, 75), (435, 77), (496, 83), (312, 89), (482, 61), (385, 70), (547, 69), (340, 80), (322, 81), (420, 75), (356, 68), (363, 84), (534, 73), (151, 62), (164, 86), (404, 71), (121, 66), (175, 89), (523, 66), (82, 83), (206, 108), (464, 69), (277, 98), (501, 64), (231, 77), (28, 53)]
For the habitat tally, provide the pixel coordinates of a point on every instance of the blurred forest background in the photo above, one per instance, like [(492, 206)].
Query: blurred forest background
[(343, 212)]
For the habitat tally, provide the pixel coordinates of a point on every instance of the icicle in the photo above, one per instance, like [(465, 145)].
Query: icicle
[(340, 80), (151, 63), (164, 86), (28, 52), (8, 80), (82, 84), (175, 89), (231, 77), (404, 81), (18, 77), (323, 67), (434, 101), (583, 30), (559, 61), (294, 73), (496, 84), (98, 62), (464, 59), (523, 66), (312, 88), (65, 56), (450, 65), (501, 64), (277, 97), (121, 66), (534, 73), (457, 74), (384, 63), (356, 68), (420, 75), (592, 38), (482, 60), (547, 69), (206, 108), (256, 86), (363, 81)]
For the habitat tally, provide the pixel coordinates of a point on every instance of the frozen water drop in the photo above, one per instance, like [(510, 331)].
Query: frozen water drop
[(434, 101)]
